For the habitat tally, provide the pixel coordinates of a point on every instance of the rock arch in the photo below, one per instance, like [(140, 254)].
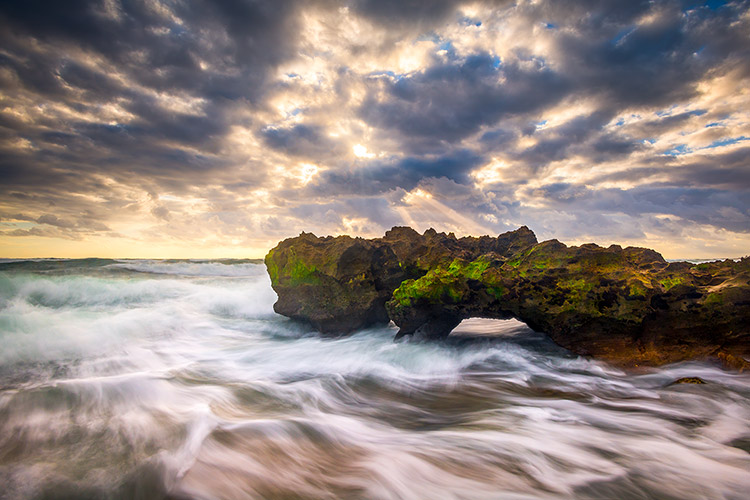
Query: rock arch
[(626, 305)]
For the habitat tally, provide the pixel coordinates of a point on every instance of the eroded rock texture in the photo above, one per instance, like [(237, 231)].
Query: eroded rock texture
[(628, 306)]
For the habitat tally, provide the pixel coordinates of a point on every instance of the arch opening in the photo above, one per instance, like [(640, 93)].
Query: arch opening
[(490, 328)]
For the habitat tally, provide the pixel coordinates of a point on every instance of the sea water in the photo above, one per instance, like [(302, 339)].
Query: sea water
[(175, 379)]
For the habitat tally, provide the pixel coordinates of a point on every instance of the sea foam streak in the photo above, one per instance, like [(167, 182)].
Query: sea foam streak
[(161, 379)]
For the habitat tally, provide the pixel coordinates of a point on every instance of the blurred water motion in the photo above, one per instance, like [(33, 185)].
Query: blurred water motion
[(175, 379)]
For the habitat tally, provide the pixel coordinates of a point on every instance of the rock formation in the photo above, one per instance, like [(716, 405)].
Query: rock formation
[(628, 306)]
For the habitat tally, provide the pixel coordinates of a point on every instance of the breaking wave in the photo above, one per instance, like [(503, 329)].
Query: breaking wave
[(194, 268), (175, 379)]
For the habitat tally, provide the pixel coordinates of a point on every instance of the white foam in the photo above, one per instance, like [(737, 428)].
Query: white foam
[(197, 378)]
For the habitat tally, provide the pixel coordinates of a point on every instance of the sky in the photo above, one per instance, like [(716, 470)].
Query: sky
[(206, 129)]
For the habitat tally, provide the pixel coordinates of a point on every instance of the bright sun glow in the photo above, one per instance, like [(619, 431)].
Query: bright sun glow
[(307, 172), (416, 195), (360, 151), (490, 173)]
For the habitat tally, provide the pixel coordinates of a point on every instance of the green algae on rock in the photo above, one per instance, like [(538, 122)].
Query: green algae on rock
[(628, 306), (688, 380)]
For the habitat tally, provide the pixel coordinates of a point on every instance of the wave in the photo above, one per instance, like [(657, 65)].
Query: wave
[(225, 268), (232, 415), (46, 317), (177, 380), (68, 266), (178, 267)]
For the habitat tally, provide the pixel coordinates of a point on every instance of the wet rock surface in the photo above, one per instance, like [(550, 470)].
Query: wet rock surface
[(626, 305), (688, 380)]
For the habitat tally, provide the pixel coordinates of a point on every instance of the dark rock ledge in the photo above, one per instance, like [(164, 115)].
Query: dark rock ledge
[(625, 305)]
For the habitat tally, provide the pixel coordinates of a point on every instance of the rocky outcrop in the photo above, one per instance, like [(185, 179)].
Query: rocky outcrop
[(342, 284), (628, 306)]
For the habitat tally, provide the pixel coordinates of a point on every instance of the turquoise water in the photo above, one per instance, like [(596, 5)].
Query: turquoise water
[(175, 379)]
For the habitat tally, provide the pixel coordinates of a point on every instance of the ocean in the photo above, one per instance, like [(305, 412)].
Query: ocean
[(173, 379)]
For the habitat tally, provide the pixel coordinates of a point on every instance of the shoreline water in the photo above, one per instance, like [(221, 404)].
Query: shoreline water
[(175, 379)]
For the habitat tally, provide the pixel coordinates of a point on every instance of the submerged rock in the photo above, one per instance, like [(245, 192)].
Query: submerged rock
[(628, 306), (687, 380)]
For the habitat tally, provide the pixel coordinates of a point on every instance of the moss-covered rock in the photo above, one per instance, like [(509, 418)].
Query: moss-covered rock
[(629, 305), (688, 380), (335, 284)]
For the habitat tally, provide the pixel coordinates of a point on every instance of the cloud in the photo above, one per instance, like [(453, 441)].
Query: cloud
[(52, 220), (453, 99), (226, 125), (380, 177), (721, 209), (389, 12), (299, 140), (161, 212)]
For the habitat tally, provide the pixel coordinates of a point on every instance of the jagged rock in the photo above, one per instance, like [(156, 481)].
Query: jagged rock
[(732, 362), (628, 306), (337, 285)]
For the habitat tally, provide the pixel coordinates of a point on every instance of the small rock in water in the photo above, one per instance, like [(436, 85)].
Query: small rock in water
[(688, 380)]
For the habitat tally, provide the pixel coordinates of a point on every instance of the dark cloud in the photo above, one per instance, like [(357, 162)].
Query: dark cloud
[(656, 63), (158, 56), (106, 105), (299, 140), (554, 143), (498, 138), (718, 208), (452, 100), (610, 146), (730, 171), (604, 56), (405, 12), (669, 122), (245, 36), (53, 220), (377, 177)]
